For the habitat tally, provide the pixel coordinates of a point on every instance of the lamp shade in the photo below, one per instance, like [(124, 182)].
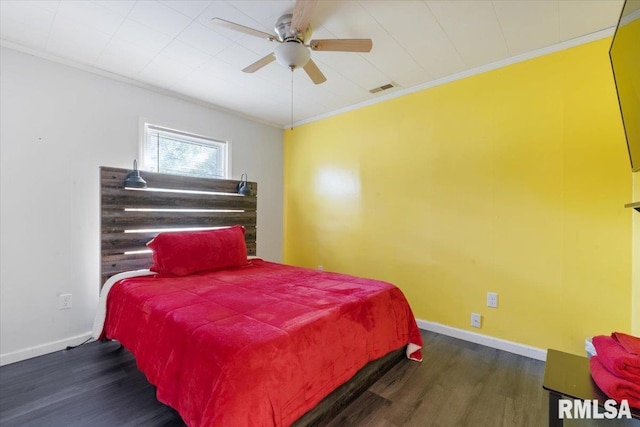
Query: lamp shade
[(292, 54), (134, 180)]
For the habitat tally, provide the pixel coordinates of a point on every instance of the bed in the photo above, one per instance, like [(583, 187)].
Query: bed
[(231, 339)]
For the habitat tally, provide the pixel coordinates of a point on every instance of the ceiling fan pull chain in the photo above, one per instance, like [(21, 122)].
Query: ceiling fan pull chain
[(291, 98)]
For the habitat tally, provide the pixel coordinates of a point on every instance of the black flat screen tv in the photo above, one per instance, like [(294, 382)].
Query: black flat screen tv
[(625, 62)]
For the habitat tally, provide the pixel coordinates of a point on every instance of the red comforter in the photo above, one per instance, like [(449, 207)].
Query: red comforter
[(258, 345)]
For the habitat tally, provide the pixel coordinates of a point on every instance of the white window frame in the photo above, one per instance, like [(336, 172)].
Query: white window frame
[(186, 136)]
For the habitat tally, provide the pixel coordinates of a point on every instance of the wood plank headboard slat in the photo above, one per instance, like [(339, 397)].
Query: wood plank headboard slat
[(113, 225), (118, 243), (114, 177), (116, 198)]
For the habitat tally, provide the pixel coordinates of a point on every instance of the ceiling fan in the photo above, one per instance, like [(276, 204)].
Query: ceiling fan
[(292, 30)]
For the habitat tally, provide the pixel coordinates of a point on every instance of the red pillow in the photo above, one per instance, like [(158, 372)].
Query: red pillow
[(186, 252)]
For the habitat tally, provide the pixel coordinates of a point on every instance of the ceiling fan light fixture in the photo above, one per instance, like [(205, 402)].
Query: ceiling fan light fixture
[(292, 54)]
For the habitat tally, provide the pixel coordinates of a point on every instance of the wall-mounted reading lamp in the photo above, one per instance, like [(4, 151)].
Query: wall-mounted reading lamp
[(244, 188), (134, 180)]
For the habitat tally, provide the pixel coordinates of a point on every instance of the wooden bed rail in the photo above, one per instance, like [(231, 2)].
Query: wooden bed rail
[(129, 218)]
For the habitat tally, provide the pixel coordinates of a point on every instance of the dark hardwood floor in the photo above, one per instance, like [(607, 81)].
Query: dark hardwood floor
[(457, 384)]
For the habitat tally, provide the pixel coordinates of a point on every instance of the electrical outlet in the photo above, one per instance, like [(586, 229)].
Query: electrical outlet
[(64, 301), (492, 299), (320, 267), (476, 320)]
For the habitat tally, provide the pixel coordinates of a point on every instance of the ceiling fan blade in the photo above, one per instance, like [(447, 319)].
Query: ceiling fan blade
[(302, 13), (342, 45), (243, 29), (314, 72), (260, 63)]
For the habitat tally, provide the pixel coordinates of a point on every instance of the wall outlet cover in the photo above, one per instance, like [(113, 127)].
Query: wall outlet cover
[(492, 299), (476, 320), (64, 301)]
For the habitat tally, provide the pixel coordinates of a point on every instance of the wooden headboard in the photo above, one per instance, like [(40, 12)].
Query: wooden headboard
[(129, 218)]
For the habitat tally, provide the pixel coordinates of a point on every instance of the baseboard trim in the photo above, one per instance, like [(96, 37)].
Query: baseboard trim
[(497, 343), (42, 349)]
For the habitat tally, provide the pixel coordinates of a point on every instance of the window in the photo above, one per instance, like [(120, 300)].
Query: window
[(180, 153)]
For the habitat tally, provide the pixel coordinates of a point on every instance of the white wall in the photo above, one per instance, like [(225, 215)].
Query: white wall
[(58, 125)]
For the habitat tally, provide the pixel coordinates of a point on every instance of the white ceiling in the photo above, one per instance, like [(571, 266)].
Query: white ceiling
[(174, 46)]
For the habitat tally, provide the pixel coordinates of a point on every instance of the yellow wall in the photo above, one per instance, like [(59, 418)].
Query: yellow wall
[(511, 181)]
